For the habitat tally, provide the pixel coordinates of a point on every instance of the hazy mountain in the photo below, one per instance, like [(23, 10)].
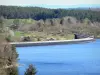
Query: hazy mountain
[(68, 6)]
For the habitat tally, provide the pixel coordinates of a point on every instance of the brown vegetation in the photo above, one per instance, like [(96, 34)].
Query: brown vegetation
[(63, 26), (8, 56)]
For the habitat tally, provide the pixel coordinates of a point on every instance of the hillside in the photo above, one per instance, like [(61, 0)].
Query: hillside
[(37, 13), (56, 28), (40, 24)]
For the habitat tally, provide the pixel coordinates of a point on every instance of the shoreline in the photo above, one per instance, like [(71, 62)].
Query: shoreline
[(54, 42)]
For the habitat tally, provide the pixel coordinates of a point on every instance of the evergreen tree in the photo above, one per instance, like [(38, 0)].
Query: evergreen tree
[(1, 24), (31, 70), (37, 13)]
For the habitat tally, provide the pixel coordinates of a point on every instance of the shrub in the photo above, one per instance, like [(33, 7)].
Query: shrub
[(31, 70), (8, 38)]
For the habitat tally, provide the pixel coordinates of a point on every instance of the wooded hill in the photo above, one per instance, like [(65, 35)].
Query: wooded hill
[(37, 13), (42, 23)]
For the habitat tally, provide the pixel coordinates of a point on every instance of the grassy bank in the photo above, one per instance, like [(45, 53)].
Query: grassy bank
[(40, 36), (57, 28)]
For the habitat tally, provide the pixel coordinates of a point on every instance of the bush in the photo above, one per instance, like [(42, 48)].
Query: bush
[(8, 39), (31, 70)]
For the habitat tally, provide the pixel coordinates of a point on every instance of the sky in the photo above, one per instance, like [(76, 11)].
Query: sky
[(51, 3)]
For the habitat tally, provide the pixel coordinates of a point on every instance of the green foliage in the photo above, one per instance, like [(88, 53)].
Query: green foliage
[(18, 33), (12, 71), (8, 38), (58, 28), (15, 24), (1, 24), (13, 12), (14, 50), (31, 70)]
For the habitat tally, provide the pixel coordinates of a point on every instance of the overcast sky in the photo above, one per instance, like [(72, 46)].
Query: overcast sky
[(48, 2)]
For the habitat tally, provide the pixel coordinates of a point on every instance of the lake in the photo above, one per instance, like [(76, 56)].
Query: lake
[(70, 59)]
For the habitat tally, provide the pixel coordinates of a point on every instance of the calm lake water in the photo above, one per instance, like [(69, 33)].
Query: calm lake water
[(72, 59)]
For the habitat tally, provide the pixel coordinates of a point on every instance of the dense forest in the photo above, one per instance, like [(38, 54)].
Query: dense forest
[(37, 13)]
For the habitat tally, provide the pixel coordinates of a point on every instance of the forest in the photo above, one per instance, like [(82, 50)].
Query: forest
[(37, 13)]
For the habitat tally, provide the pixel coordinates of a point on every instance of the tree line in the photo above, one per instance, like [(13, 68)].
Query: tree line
[(37, 13)]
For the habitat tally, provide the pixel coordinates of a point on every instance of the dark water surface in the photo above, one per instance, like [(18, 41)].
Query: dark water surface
[(72, 59)]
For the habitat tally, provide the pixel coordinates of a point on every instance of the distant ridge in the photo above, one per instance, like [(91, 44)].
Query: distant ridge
[(67, 6), (79, 6)]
